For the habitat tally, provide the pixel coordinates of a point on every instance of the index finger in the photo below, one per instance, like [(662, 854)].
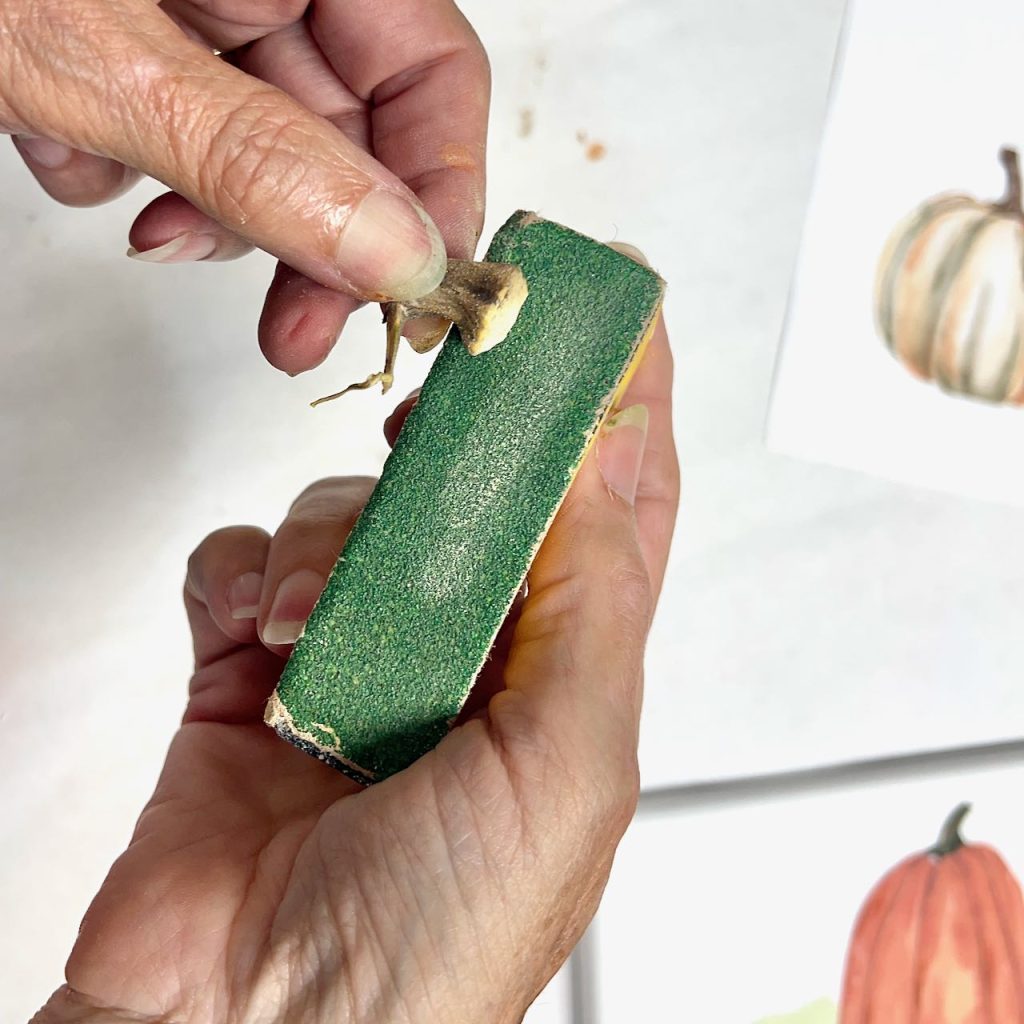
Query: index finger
[(424, 73), (242, 152)]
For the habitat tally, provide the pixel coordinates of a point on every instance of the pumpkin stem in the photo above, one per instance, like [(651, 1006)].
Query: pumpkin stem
[(1011, 202), (949, 840)]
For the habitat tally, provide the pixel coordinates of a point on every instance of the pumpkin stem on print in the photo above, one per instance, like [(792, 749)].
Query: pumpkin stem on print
[(1011, 202), (950, 840)]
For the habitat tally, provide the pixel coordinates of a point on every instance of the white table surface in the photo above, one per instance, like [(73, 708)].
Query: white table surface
[(811, 614)]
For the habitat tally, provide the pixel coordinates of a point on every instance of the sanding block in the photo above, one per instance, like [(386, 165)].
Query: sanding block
[(430, 570)]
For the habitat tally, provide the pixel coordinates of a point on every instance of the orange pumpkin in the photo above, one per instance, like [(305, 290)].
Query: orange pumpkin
[(940, 940)]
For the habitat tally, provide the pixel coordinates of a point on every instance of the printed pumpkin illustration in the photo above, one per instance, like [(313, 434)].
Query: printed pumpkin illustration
[(949, 292), (821, 1012), (940, 940)]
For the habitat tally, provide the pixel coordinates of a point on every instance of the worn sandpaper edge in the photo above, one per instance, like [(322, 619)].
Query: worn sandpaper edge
[(279, 718), (277, 715)]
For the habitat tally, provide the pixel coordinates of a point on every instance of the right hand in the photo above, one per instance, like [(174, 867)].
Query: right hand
[(334, 135)]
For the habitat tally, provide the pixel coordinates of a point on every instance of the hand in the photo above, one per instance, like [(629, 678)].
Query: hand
[(260, 885), (311, 136)]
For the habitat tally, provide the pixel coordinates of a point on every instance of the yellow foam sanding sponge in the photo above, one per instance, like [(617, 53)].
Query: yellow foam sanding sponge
[(431, 568)]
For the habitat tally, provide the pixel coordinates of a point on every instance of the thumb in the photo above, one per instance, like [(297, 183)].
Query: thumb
[(576, 666), (244, 153), (294, 185)]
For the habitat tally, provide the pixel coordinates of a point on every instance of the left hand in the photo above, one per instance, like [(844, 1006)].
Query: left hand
[(262, 886), (347, 138)]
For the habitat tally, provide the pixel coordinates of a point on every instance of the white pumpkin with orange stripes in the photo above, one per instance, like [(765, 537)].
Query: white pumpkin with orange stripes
[(949, 293)]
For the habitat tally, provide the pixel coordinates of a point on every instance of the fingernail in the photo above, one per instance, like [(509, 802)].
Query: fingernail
[(390, 248), (45, 152), (244, 595), (186, 248), (620, 450), (415, 393), (631, 251), (296, 595)]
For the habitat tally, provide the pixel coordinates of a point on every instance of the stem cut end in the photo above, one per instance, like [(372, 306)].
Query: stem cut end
[(482, 299)]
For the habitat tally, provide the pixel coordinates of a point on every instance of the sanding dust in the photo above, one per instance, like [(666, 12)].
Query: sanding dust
[(459, 156), (593, 150), (525, 122)]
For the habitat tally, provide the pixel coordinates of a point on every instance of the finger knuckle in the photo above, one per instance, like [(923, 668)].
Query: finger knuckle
[(250, 162), (281, 12), (207, 548), (263, 13), (470, 44), (480, 63), (619, 795), (663, 488), (56, 65), (315, 542), (606, 800), (195, 566), (17, 21), (202, 549), (324, 497), (628, 794), (630, 595), (327, 483), (532, 752)]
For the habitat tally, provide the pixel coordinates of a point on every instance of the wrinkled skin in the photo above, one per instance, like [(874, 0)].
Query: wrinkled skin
[(261, 886), (277, 143)]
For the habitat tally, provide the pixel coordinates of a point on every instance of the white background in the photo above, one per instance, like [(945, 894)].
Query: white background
[(811, 614)]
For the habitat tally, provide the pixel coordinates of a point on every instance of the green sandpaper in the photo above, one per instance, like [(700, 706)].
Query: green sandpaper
[(429, 572)]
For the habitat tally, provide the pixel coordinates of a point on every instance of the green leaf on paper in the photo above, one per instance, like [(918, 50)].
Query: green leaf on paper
[(823, 1011)]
